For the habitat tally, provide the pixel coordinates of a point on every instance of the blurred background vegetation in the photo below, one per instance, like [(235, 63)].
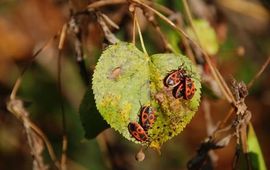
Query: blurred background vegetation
[(242, 31)]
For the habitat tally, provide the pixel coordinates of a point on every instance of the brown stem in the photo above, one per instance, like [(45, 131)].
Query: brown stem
[(107, 32), (218, 77), (161, 8), (190, 20), (151, 19), (101, 3), (132, 9), (59, 71), (109, 21), (64, 153), (228, 115), (46, 141), (15, 107), (259, 73)]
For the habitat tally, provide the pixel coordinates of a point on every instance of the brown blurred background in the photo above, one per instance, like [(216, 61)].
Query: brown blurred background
[(243, 32)]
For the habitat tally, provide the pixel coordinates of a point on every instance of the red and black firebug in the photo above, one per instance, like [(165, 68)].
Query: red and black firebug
[(174, 77), (147, 117), (185, 89), (189, 88), (136, 130)]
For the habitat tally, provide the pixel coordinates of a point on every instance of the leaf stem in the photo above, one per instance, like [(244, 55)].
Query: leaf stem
[(140, 33)]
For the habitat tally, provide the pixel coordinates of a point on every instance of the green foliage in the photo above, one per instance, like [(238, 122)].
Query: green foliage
[(173, 114), (125, 77), (208, 92), (120, 83), (5, 6), (91, 120), (206, 35), (254, 151), (174, 40)]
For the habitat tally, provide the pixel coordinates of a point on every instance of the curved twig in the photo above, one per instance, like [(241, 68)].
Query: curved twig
[(259, 73), (224, 87)]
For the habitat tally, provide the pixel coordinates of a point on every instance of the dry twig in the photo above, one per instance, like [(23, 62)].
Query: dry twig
[(223, 86), (35, 136), (59, 71), (151, 19), (266, 63), (108, 34), (101, 3), (222, 135)]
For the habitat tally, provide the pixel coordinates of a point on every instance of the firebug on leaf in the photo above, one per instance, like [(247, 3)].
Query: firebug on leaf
[(136, 130)]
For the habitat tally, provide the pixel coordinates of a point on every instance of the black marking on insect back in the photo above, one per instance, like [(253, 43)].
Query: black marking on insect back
[(170, 133), (147, 117), (178, 91)]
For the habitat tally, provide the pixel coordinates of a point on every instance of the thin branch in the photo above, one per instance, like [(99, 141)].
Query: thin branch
[(62, 37), (134, 30), (15, 106), (190, 20), (228, 115), (64, 153), (187, 46), (227, 94), (101, 3), (46, 141), (18, 81), (132, 10), (222, 83), (59, 71), (161, 8), (246, 8), (259, 73), (75, 28), (15, 88), (162, 17), (151, 19), (46, 44), (109, 21), (108, 34)]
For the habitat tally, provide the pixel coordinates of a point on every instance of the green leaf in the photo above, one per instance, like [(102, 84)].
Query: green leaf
[(206, 35), (174, 40), (208, 92), (254, 150), (173, 114), (92, 121), (125, 77)]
